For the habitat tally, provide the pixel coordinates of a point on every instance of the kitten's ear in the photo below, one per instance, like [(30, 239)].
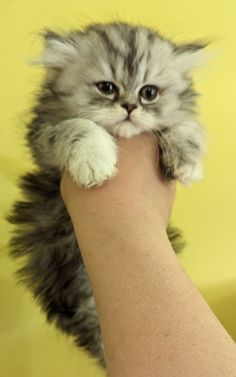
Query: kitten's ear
[(58, 50), (189, 56)]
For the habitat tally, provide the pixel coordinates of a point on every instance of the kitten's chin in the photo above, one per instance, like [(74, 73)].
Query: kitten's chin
[(125, 129)]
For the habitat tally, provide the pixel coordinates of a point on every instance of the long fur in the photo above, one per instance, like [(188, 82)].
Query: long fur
[(74, 127)]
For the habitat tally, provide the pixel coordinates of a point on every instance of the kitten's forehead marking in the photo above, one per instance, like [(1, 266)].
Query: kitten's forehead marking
[(117, 41), (127, 53), (112, 47), (127, 56)]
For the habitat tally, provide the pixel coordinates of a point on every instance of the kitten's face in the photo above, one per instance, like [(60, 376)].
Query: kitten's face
[(126, 79)]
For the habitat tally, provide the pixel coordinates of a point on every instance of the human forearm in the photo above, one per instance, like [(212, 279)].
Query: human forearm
[(153, 321)]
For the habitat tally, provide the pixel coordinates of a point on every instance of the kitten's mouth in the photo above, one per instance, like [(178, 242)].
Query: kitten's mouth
[(127, 122), (127, 119), (126, 128)]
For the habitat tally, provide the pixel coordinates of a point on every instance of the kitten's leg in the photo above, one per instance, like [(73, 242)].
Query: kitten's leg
[(182, 147), (85, 149)]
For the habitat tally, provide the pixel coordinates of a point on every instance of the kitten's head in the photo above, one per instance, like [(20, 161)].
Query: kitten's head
[(126, 78)]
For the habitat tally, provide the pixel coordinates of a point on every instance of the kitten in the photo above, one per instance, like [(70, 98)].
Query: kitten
[(104, 81)]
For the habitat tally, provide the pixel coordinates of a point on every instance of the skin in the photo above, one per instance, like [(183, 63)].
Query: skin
[(153, 321)]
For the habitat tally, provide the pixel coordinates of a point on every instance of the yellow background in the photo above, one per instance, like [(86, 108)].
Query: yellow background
[(206, 211)]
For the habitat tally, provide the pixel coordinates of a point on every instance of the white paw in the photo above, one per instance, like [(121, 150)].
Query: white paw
[(93, 159), (189, 173)]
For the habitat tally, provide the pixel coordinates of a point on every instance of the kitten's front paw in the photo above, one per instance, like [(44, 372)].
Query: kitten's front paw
[(93, 160), (189, 173)]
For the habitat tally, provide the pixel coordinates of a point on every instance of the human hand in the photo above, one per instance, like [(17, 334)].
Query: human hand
[(138, 189)]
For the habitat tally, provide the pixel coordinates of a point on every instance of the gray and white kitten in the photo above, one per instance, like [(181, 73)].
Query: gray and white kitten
[(104, 81)]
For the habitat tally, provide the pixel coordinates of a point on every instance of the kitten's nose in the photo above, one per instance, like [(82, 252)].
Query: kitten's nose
[(129, 107)]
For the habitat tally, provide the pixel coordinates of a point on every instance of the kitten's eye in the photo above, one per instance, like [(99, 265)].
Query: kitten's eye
[(107, 87), (148, 93)]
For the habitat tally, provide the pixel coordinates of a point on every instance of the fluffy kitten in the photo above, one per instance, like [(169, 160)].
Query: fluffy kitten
[(104, 81)]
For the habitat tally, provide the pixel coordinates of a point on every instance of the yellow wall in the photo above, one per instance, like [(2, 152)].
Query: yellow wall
[(206, 211)]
